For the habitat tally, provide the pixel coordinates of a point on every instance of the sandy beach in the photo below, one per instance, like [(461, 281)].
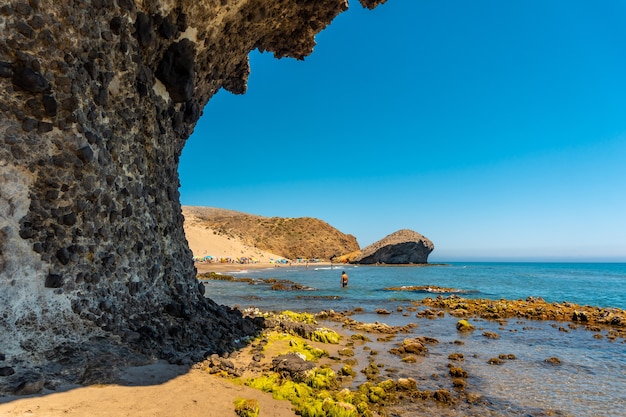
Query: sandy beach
[(233, 267), (204, 241), (159, 390)]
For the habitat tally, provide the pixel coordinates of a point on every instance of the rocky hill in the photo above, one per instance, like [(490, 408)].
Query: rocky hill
[(292, 238), (402, 247)]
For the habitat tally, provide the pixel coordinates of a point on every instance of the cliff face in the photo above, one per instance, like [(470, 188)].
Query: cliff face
[(292, 238), (401, 247), (97, 99)]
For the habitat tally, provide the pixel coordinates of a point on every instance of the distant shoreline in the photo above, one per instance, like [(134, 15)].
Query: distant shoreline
[(235, 267)]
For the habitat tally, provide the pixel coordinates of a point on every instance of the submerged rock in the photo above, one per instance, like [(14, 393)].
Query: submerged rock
[(553, 360), (533, 308)]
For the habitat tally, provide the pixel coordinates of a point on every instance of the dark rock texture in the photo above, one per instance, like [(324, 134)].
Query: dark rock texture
[(292, 366), (97, 99), (402, 247)]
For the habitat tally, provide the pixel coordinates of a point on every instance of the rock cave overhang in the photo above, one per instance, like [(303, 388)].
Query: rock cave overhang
[(97, 99)]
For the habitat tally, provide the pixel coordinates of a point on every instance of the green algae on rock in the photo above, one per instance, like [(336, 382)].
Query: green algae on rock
[(532, 308), (247, 407), (464, 326), (324, 335)]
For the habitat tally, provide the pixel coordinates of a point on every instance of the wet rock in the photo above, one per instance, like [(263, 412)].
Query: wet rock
[(532, 308), (508, 356), (430, 314), (459, 383), (464, 326), (457, 372), (371, 371), (553, 361), (415, 347), (443, 396), (346, 370), (378, 327), (579, 316), (346, 352), (406, 384)]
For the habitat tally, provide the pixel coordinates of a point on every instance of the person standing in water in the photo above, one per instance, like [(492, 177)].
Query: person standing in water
[(344, 279)]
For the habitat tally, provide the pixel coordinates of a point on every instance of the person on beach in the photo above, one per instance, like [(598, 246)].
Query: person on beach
[(344, 279)]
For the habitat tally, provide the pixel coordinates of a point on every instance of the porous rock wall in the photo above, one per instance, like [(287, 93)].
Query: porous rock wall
[(97, 98)]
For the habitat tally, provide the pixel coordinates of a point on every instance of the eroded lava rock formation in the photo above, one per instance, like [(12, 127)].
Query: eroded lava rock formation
[(97, 99), (402, 247)]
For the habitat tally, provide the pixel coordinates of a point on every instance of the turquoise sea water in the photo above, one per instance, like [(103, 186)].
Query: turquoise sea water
[(591, 380), (602, 285)]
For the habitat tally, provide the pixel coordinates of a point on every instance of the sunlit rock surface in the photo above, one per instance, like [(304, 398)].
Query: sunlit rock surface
[(402, 247), (97, 99)]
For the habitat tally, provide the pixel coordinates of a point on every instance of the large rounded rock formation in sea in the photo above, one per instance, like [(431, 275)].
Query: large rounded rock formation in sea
[(402, 247), (97, 99)]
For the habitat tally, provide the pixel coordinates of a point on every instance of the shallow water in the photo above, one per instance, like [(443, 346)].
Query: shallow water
[(601, 285), (590, 381)]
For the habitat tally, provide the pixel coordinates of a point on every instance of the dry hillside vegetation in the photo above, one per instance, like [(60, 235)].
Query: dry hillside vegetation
[(291, 238)]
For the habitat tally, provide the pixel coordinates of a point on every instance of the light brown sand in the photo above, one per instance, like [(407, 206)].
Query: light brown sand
[(204, 241), (226, 268), (192, 394)]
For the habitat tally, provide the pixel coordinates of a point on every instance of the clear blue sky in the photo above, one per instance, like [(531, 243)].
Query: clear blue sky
[(495, 128)]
